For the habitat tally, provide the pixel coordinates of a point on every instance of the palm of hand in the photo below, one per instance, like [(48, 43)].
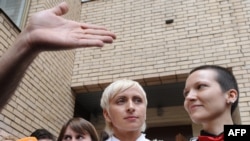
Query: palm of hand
[(48, 30)]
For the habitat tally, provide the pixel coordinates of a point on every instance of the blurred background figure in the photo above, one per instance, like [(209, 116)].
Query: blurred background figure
[(43, 135), (27, 139), (78, 129)]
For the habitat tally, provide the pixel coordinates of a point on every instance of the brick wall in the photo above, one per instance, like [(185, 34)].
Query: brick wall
[(8, 33), (44, 98), (203, 32), (147, 49)]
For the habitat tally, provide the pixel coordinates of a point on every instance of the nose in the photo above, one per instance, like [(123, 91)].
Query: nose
[(191, 95), (74, 139), (131, 106)]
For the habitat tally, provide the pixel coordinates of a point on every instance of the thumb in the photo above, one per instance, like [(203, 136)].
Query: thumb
[(60, 9)]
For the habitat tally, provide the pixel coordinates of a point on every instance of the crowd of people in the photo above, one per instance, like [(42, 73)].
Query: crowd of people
[(211, 92)]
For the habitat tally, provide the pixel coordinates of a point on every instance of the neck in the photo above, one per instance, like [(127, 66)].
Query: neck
[(216, 126), (127, 135)]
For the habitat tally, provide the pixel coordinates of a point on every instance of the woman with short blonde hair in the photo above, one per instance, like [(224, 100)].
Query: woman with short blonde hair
[(124, 105)]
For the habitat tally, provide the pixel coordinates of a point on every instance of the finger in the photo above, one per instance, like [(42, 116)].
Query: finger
[(90, 43), (105, 39), (100, 33), (92, 26), (60, 9)]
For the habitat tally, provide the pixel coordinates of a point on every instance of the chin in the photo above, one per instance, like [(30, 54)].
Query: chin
[(196, 120), (134, 128)]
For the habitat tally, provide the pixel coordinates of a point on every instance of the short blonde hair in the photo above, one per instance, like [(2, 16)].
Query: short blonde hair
[(112, 90)]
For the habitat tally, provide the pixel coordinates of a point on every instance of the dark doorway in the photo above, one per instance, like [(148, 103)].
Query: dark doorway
[(158, 95)]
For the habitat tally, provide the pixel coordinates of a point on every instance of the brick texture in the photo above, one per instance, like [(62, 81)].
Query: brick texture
[(44, 98), (203, 32), (147, 49)]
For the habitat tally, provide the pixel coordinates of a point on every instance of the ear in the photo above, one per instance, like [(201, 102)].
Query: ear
[(106, 115), (231, 96)]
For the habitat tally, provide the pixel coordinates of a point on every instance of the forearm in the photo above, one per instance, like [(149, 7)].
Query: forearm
[(13, 65), (46, 31)]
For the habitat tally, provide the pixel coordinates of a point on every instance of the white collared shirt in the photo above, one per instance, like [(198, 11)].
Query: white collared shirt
[(141, 138)]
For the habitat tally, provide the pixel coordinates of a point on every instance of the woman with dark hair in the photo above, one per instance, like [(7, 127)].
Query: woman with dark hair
[(78, 129), (211, 96), (43, 135)]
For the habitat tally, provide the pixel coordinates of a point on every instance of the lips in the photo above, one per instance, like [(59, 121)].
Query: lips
[(131, 117), (194, 106)]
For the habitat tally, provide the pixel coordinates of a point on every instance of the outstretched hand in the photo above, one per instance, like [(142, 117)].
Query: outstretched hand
[(48, 30)]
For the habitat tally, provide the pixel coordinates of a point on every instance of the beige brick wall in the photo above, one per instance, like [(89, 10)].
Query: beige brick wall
[(147, 49), (44, 98), (8, 33), (203, 32)]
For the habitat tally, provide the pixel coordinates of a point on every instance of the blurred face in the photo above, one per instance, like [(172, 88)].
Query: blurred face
[(204, 99), (70, 135), (127, 110)]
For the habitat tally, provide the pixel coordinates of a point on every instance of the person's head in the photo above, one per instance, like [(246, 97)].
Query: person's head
[(124, 104), (79, 129), (210, 90), (42, 135)]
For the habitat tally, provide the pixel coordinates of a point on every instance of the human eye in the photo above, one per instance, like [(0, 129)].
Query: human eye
[(67, 138), (120, 100), (137, 100), (185, 93), (201, 86), (80, 137)]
